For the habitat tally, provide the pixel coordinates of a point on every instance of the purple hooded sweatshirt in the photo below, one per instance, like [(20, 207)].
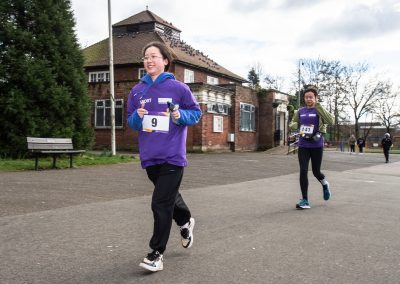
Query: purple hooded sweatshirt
[(309, 116), (166, 144)]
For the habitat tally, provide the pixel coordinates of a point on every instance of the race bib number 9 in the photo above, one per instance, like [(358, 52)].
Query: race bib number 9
[(307, 129), (157, 122)]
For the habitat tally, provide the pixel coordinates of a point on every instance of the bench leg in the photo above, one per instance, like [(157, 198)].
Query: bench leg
[(70, 160), (36, 162), (54, 161)]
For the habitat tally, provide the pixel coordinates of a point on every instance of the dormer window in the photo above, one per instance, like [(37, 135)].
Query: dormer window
[(212, 80), (159, 28), (100, 76), (189, 76), (167, 31)]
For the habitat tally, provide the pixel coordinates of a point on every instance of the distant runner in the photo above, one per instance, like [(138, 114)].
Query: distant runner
[(386, 144), (311, 122)]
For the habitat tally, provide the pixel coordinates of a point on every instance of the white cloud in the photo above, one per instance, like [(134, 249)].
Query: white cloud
[(275, 33), (359, 21)]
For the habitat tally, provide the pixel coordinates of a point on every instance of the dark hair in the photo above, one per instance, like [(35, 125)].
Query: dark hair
[(311, 88), (163, 50)]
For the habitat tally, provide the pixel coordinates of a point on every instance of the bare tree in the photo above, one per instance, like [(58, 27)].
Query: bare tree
[(332, 85), (274, 82), (362, 95), (258, 69), (330, 79), (387, 110)]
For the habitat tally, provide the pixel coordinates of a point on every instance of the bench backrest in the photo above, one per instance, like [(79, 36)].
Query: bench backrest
[(35, 143)]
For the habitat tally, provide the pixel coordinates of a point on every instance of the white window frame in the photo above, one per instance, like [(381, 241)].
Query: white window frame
[(188, 76), (219, 108), (99, 76), (212, 80), (119, 111), (141, 72), (218, 123), (247, 110)]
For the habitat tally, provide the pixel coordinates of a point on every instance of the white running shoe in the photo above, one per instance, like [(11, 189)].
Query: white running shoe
[(153, 262), (187, 233)]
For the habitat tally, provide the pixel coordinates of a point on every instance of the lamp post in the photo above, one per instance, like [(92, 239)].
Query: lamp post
[(298, 94), (112, 112)]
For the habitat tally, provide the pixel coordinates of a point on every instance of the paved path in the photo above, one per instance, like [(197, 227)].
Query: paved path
[(92, 225)]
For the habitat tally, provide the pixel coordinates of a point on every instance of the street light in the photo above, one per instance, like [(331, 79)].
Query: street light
[(112, 113), (298, 94)]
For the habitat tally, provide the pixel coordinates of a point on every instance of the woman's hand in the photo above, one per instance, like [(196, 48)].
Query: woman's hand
[(141, 111), (176, 114)]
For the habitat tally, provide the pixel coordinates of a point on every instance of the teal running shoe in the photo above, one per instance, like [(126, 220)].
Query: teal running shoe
[(303, 204), (327, 192)]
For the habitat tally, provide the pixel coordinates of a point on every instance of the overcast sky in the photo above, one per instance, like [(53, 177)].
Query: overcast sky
[(238, 34)]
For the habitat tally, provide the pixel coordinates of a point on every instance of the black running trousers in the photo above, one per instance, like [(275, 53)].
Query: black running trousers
[(304, 155), (167, 203), (386, 153)]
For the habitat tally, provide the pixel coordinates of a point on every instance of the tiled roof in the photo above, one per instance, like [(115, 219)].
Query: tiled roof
[(144, 17), (128, 50)]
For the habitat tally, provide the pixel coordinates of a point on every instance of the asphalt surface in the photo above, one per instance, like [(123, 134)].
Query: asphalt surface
[(93, 224)]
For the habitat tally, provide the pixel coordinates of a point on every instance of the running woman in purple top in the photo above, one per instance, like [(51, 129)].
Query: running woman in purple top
[(160, 108), (311, 122)]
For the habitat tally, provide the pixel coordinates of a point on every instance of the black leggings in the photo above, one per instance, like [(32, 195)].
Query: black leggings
[(304, 155), (166, 203)]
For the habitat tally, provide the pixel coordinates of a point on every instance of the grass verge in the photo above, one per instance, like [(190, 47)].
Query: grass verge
[(86, 159)]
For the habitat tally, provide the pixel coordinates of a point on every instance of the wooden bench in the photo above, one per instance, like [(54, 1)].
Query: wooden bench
[(51, 146)]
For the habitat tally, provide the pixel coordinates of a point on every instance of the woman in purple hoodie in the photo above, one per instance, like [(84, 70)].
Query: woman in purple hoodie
[(160, 108)]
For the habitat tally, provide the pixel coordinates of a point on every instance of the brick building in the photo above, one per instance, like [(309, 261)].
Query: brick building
[(234, 118)]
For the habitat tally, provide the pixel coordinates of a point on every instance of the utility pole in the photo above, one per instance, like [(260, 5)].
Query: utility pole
[(298, 94), (112, 112)]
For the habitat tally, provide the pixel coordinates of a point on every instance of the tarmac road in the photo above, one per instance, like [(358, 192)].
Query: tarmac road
[(33, 191), (92, 225)]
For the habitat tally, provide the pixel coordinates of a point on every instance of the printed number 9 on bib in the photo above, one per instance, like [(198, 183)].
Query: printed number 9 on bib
[(154, 122), (158, 123)]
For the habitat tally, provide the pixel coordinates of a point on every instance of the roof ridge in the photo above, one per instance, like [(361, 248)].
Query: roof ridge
[(152, 15), (140, 17)]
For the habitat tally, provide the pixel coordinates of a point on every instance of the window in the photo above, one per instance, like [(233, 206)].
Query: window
[(102, 76), (142, 72), (212, 80), (247, 117), (219, 108), (189, 76), (103, 113), (218, 123)]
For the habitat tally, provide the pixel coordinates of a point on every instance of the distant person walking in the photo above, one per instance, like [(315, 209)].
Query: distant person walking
[(352, 144), (386, 144), (160, 108), (311, 121), (360, 144), (341, 144)]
